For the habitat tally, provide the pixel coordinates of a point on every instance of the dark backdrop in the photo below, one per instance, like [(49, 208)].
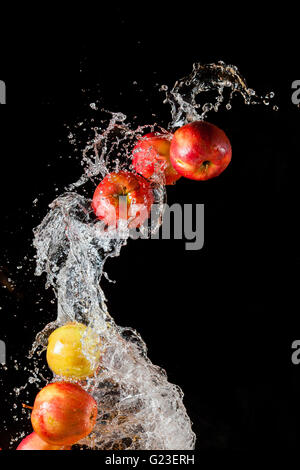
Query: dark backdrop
[(221, 321)]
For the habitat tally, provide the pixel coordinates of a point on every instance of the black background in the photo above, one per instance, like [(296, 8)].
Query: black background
[(221, 321)]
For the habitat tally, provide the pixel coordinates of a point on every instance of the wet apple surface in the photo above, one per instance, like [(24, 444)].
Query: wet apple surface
[(127, 187), (34, 442), (151, 158), (73, 351), (63, 413), (200, 151)]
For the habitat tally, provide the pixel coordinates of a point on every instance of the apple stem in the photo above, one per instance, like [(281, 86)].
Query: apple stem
[(27, 406)]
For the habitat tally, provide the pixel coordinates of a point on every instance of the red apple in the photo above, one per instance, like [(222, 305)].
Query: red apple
[(151, 158), (123, 195), (200, 150), (34, 442), (63, 413)]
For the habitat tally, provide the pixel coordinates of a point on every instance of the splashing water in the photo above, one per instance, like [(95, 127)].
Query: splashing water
[(205, 79), (138, 407)]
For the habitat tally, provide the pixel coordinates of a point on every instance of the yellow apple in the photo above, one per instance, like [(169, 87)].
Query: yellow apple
[(73, 351)]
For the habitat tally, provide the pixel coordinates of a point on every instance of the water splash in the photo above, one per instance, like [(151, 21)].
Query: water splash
[(212, 80), (138, 407), (111, 147)]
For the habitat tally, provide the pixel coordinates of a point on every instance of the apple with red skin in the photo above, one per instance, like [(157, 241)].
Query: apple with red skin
[(200, 150), (63, 413), (123, 195), (151, 158), (34, 442)]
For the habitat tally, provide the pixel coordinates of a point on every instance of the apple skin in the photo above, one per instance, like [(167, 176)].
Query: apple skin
[(34, 442), (135, 188), (151, 158), (200, 151), (64, 352), (63, 413)]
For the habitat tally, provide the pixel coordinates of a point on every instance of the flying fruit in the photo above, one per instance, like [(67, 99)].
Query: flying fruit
[(63, 413), (151, 158), (200, 150), (73, 351), (123, 196), (34, 442)]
